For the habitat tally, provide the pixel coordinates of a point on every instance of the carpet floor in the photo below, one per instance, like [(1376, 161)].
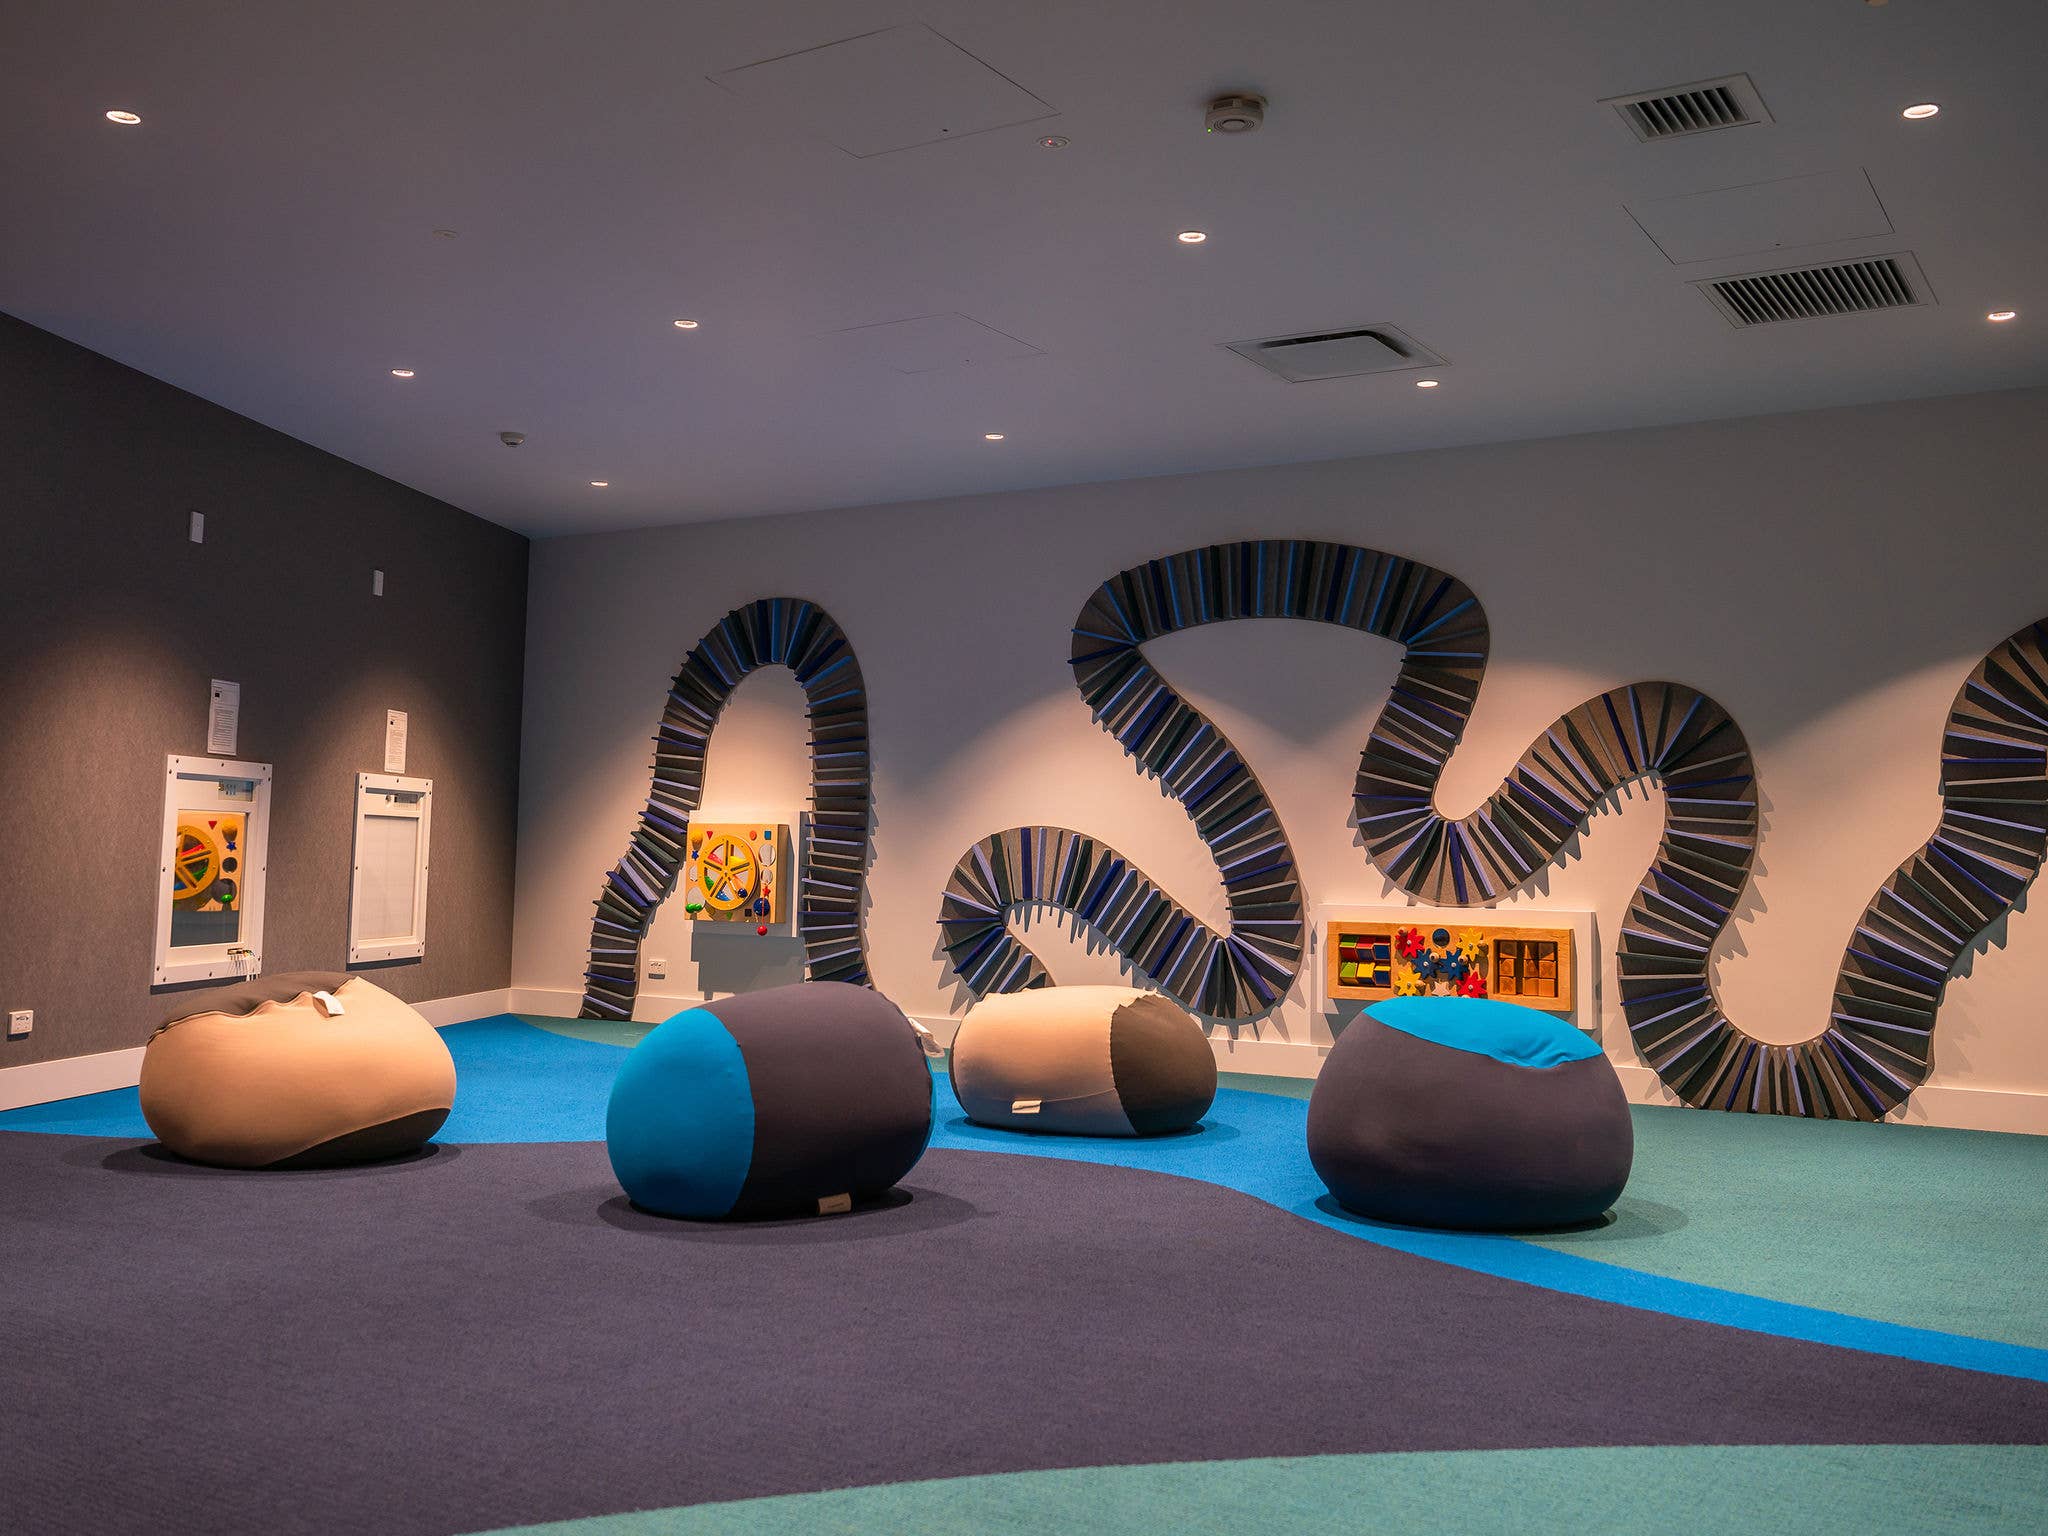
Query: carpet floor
[(489, 1335), (1182, 1334)]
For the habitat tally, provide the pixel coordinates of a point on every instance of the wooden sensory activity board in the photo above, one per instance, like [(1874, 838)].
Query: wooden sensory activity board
[(1368, 961), (737, 872)]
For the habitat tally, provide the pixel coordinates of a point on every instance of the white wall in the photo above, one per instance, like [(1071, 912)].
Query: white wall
[(1829, 577)]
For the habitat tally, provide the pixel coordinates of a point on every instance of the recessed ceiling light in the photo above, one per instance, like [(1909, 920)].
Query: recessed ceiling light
[(1923, 109), (686, 325), (2000, 316), (600, 484), (1192, 237), (126, 119), (1053, 141), (992, 437), (401, 373), (1427, 383), (446, 234)]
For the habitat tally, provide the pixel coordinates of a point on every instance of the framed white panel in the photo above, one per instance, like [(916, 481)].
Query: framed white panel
[(213, 856), (387, 907)]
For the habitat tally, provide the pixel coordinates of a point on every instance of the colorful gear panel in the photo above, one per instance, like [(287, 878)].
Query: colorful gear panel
[(738, 872), (206, 866), (1369, 961)]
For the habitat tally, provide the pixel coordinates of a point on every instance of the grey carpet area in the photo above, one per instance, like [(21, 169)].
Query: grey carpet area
[(488, 1335)]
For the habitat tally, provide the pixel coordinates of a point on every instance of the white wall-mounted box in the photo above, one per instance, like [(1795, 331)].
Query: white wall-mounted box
[(387, 907), (210, 873)]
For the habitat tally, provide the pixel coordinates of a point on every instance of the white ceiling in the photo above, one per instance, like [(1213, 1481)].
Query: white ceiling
[(265, 237)]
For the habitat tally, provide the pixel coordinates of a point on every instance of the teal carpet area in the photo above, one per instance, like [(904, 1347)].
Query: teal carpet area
[(1903, 1240), (1917, 1225), (1704, 1490)]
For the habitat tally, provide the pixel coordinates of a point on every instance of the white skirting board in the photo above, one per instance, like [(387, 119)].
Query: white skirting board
[(1974, 1109), (443, 1011), (653, 1007), (1268, 1058), (1966, 1109), (44, 1082)]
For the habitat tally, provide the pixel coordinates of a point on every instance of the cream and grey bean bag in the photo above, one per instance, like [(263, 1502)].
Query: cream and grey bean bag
[(267, 1076), (1083, 1061)]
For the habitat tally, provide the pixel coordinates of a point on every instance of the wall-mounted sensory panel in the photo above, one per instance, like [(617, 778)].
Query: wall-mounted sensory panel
[(1367, 960)]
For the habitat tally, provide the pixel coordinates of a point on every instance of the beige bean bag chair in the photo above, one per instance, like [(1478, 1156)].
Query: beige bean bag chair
[(1083, 1061), (267, 1077)]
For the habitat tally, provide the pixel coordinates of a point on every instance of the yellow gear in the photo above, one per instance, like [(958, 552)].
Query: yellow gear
[(196, 864), (728, 873)]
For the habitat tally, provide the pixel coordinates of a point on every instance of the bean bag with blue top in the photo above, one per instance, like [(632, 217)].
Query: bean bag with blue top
[(1469, 1112), (795, 1100)]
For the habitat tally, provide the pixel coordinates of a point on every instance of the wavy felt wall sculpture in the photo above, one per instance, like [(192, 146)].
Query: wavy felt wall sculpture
[(1873, 1049), (775, 631)]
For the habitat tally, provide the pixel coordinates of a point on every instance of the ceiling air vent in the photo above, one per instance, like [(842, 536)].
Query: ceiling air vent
[(1337, 354), (1701, 107), (1808, 293)]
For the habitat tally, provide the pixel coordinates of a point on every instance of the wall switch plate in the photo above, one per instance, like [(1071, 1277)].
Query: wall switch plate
[(20, 1022), (657, 970), (196, 529), (376, 583)]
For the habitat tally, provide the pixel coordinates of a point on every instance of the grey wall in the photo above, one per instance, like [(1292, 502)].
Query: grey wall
[(112, 624)]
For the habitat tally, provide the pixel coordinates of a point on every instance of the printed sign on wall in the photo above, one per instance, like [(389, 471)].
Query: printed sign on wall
[(223, 718)]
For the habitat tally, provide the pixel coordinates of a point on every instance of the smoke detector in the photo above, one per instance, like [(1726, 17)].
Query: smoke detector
[(1235, 114)]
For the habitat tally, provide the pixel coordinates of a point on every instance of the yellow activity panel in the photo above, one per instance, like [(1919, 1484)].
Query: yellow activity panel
[(1368, 961), (205, 860), (734, 873)]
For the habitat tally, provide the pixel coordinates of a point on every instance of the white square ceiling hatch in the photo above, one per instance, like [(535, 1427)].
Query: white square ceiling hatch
[(1764, 216), (928, 343), (1343, 354), (886, 91)]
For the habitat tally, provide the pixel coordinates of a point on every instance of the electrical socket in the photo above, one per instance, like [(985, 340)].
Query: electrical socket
[(20, 1022), (657, 970)]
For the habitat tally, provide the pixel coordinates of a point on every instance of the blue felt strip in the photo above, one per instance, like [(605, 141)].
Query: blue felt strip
[(1486, 1026)]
